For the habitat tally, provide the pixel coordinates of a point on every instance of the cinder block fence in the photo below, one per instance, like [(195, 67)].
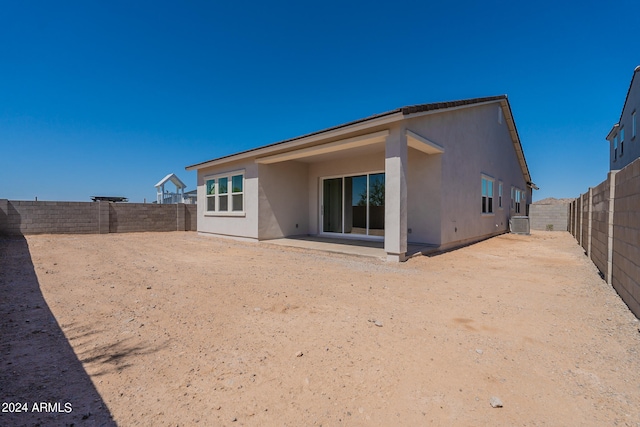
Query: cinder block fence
[(30, 217), (550, 217), (606, 223)]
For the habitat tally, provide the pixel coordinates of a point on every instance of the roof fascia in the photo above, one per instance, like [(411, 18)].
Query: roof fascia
[(515, 138), (331, 147), (445, 110), (423, 144), (633, 78), (293, 144), (612, 131)]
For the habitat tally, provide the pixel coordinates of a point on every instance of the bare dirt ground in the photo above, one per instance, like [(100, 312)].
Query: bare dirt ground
[(167, 329)]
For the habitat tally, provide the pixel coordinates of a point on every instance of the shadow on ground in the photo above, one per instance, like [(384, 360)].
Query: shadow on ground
[(38, 366)]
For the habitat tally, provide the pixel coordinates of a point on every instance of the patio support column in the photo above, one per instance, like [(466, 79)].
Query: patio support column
[(395, 196)]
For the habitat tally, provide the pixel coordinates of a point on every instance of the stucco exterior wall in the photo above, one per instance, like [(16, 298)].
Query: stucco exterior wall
[(283, 200), (631, 144), (237, 226), (424, 212), (475, 143)]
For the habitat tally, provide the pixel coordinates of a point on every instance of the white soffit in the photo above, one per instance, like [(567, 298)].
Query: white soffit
[(344, 144), (421, 143)]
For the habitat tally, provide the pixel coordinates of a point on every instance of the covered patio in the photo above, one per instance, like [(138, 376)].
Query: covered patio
[(363, 248)]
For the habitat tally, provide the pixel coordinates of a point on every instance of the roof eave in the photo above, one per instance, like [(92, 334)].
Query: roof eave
[(294, 143), (515, 137), (613, 130)]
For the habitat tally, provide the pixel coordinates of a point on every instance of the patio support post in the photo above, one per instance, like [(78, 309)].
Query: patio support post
[(395, 204)]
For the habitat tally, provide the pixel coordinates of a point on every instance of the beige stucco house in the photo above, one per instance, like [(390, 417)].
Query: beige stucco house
[(442, 174)]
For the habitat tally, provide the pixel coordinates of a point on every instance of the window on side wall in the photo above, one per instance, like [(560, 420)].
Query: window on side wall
[(499, 194), (518, 200), (225, 193), (615, 148), (633, 125), (621, 142), (487, 195), (513, 197)]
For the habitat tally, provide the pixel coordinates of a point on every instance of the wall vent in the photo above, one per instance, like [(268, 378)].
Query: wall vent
[(519, 225)]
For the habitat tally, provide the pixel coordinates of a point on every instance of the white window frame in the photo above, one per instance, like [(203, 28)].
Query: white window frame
[(513, 197), (615, 147), (518, 207), (342, 234), (488, 208), (500, 195), (230, 193), (622, 141)]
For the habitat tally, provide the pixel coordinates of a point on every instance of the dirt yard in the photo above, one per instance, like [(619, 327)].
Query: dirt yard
[(176, 329)]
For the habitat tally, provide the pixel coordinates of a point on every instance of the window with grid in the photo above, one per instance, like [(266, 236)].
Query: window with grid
[(225, 193)]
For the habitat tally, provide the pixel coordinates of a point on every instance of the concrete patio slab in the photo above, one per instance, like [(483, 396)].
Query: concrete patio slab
[(365, 248)]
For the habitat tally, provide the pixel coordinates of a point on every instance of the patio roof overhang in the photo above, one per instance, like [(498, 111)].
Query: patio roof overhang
[(414, 140), (331, 147)]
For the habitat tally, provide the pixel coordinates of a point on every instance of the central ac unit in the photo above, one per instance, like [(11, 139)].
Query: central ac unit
[(519, 225)]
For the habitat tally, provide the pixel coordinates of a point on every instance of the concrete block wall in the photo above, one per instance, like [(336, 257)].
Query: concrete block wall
[(554, 215), (31, 217), (600, 226), (133, 217), (584, 206), (190, 217), (626, 236), (606, 222)]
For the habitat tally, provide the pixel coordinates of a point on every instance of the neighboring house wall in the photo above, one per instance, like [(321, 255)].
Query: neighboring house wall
[(30, 217), (629, 149)]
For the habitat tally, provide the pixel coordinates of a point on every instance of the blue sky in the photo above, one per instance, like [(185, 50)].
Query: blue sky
[(107, 97)]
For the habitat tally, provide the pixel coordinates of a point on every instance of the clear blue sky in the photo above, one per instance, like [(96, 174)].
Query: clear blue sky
[(107, 97)]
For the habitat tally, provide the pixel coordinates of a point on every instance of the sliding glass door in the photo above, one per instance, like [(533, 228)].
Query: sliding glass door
[(353, 205)]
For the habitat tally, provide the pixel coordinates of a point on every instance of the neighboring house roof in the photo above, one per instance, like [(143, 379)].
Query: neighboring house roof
[(617, 125), (382, 118), (114, 199), (173, 178)]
